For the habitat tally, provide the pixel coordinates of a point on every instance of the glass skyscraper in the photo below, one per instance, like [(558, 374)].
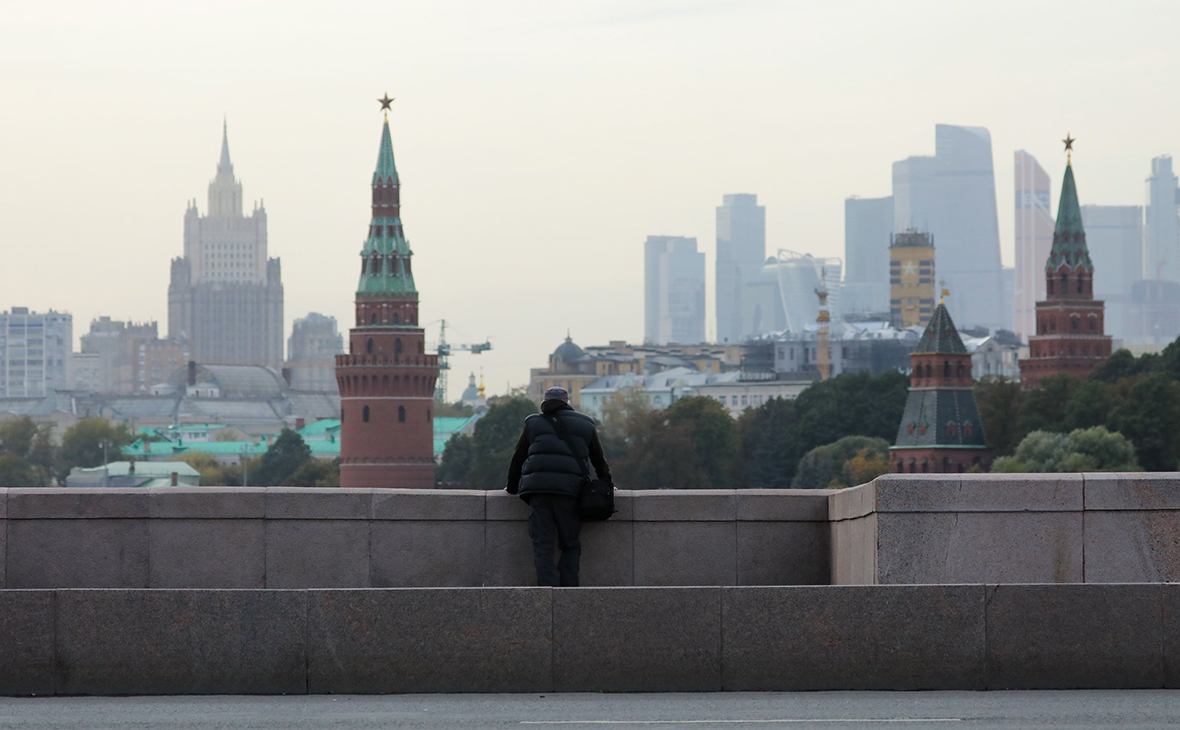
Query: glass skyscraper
[(741, 251), (673, 291), (868, 223), (1034, 238)]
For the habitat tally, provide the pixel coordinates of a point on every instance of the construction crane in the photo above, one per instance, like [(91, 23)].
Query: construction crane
[(444, 352), (822, 334)]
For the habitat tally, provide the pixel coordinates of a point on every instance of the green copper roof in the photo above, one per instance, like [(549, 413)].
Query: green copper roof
[(940, 417), (386, 253), (940, 335), (1069, 238), (385, 166)]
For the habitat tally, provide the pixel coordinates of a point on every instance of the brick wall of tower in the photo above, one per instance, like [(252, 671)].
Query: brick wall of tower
[(940, 370)]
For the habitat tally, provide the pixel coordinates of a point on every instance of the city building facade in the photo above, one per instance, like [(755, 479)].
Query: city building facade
[(1070, 334), (941, 430), (868, 224), (1161, 230), (129, 357), (741, 251), (386, 381), (952, 195), (1034, 237), (911, 278), (36, 352), (226, 296), (782, 296), (311, 353), (673, 291)]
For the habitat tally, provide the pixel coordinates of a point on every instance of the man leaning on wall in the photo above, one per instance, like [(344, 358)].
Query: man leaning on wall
[(548, 476)]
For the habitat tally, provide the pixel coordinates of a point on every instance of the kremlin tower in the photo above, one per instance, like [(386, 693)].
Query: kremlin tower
[(941, 430), (386, 380), (1069, 336)]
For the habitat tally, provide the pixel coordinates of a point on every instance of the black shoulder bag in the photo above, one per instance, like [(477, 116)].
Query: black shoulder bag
[(596, 498)]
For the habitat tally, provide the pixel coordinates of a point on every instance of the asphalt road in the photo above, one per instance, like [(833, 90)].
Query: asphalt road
[(826, 710)]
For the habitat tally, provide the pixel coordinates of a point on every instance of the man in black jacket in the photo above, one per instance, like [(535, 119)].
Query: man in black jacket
[(549, 476)]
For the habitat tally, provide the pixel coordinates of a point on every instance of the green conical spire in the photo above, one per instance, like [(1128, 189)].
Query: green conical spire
[(1069, 237), (941, 336), (385, 166)]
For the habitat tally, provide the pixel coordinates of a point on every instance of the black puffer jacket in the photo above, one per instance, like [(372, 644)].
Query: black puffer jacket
[(543, 463)]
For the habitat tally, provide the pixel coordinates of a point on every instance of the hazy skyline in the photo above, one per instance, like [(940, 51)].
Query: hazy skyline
[(538, 144)]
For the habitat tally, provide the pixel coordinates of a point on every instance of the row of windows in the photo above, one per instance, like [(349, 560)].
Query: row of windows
[(401, 415), (378, 231), (376, 265), (946, 369), (947, 466), (951, 428)]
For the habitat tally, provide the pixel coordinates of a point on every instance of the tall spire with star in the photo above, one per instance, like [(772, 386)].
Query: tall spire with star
[(387, 379), (1070, 330)]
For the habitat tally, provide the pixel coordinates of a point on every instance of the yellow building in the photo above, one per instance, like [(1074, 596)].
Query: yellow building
[(911, 278)]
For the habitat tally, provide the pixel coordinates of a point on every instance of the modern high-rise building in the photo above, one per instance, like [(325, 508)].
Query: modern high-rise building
[(953, 196), (673, 291), (35, 352), (1161, 230), (226, 296), (386, 380), (1070, 335), (782, 298), (1114, 235), (868, 223), (911, 279), (312, 351), (1034, 238), (741, 251)]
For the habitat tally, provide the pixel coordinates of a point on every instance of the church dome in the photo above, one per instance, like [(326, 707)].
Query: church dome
[(472, 391), (568, 351)]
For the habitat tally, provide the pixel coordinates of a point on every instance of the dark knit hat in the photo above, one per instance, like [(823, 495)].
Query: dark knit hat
[(560, 394)]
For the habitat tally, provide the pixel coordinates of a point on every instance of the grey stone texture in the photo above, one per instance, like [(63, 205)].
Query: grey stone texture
[(685, 553), (853, 637), (77, 553), (636, 639), (212, 553), (205, 503), (327, 553), (181, 642), (768, 555), (79, 503), (26, 643), (430, 640), (1075, 636), (421, 553)]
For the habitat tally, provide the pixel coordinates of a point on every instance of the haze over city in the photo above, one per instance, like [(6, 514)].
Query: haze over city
[(538, 144)]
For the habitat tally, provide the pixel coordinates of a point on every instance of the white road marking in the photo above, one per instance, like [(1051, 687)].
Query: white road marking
[(778, 721)]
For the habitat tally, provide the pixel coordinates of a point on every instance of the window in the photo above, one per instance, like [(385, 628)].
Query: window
[(913, 465), (946, 464), (929, 371), (369, 346), (365, 414), (401, 414), (959, 370), (910, 429), (373, 318), (900, 466), (396, 318), (743, 400), (925, 465), (946, 368), (967, 428), (721, 398), (1073, 325), (397, 346), (950, 429)]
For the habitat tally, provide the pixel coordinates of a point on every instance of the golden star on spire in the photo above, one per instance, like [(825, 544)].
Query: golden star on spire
[(1068, 148), (385, 102)]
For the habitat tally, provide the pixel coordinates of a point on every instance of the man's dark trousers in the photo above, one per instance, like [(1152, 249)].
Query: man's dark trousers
[(555, 519)]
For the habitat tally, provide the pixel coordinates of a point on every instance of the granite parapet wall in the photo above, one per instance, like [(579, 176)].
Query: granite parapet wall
[(409, 640), (1008, 528), (232, 537)]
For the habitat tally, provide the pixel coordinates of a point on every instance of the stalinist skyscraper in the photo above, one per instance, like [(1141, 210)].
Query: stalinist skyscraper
[(226, 296)]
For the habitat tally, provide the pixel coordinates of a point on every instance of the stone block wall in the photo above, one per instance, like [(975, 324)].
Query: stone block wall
[(1008, 528), (231, 537), (410, 640)]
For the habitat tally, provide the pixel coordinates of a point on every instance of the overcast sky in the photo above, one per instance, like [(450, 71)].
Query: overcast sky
[(538, 143)]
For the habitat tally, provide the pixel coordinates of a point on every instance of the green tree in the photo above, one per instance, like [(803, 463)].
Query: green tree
[(1090, 449), (457, 457), (850, 404), (282, 458), (16, 472), (211, 471), (768, 454), (82, 444), (618, 421), (315, 473), (1044, 407), (495, 440), (16, 436), (1146, 412), (827, 466), (713, 435), (1089, 405), (999, 400), (661, 455), (1121, 364)]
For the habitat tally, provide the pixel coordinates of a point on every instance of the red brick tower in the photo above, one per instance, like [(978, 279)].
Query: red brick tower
[(386, 380), (1070, 325)]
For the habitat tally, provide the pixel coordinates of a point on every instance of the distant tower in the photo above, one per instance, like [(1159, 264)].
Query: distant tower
[(673, 291), (386, 380), (226, 296), (741, 252), (1070, 329), (1161, 239), (1034, 238), (941, 430), (822, 334), (911, 278)]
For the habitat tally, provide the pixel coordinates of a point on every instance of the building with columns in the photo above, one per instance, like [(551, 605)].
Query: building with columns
[(386, 380), (226, 297), (1070, 335)]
